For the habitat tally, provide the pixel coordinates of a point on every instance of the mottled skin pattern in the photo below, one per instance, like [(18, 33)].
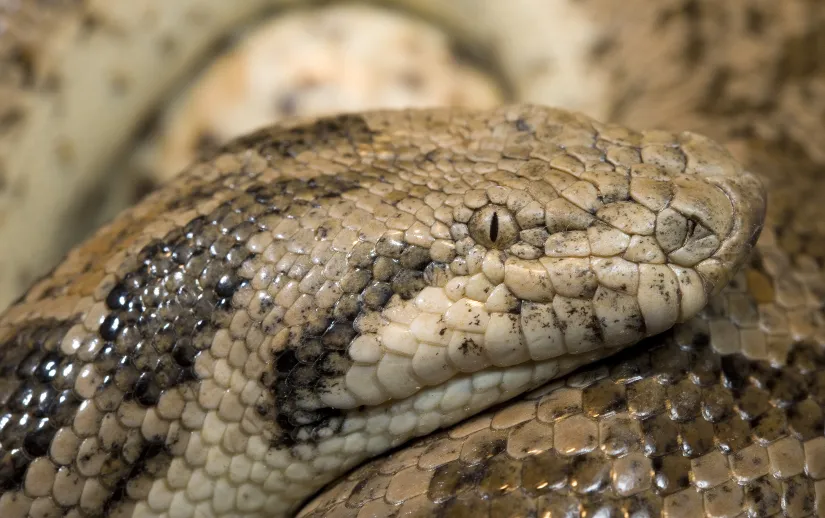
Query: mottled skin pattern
[(317, 294), (721, 416)]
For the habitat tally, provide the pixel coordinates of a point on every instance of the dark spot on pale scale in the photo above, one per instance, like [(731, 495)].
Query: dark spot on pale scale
[(11, 117), (755, 21), (522, 125), (206, 143), (602, 48), (469, 346), (412, 80), (770, 426), (287, 104), (696, 47), (108, 395), (760, 498), (23, 60)]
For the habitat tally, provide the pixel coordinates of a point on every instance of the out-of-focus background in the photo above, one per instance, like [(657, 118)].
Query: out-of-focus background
[(116, 119)]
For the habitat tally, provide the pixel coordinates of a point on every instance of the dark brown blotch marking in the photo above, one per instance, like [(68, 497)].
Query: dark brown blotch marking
[(287, 104), (316, 358), (602, 48), (22, 61)]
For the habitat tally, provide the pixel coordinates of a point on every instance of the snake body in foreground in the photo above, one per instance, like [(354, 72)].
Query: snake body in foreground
[(324, 291), (315, 294)]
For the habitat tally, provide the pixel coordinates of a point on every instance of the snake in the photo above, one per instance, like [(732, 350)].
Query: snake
[(508, 312)]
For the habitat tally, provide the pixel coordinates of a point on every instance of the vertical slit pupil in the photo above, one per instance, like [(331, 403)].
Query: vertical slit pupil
[(494, 227)]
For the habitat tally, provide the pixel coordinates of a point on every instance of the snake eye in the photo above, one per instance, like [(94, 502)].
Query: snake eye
[(493, 227)]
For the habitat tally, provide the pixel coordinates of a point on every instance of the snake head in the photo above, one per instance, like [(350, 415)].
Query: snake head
[(554, 238), (480, 255)]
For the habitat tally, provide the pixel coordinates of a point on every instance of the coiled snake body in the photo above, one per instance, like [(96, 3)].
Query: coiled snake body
[(320, 292)]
